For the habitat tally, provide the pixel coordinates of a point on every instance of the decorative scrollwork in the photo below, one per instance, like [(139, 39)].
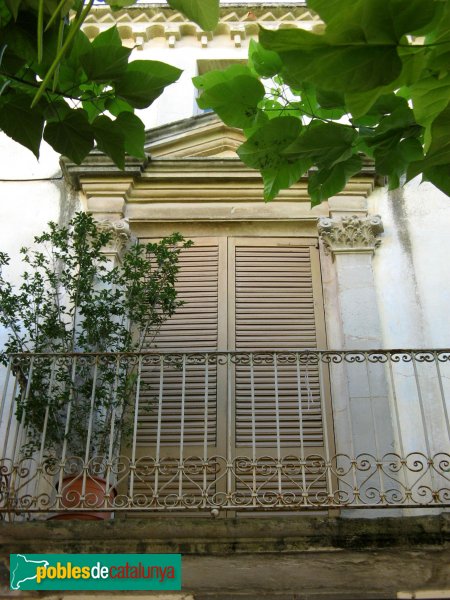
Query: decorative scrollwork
[(269, 475)]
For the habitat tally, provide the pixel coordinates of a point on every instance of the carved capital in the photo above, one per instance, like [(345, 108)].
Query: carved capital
[(350, 234), (120, 235)]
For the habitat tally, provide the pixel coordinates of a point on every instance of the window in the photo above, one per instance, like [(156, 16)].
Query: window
[(241, 294)]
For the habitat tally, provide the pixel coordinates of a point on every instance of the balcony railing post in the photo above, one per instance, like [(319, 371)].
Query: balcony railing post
[(182, 424), (230, 441), (205, 432), (158, 428), (112, 431), (253, 417), (7, 408), (135, 429), (441, 390), (300, 432)]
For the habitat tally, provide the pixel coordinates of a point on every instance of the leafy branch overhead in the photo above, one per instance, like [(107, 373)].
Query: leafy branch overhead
[(58, 86), (373, 80)]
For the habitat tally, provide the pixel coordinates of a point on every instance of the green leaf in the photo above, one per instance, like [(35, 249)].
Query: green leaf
[(328, 9), (330, 99), (384, 105), (265, 62), (110, 139), (144, 81), (107, 59), (118, 4), (310, 105), (439, 176), (23, 124), (56, 110), (325, 143), (262, 117), (116, 106), (133, 131), (264, 148), (374, 20), (20, 41), (203, 12), (14, 6), (387, 104), (286, 40), (360, 103), (393, 161), (5, 16), (212, 78), (430, 96), (327, 182), (439, 38), (93, 108), (343, 69), (71, 72), (72, 136), (414, 59), (397, 123), (283, 177), (235, 100), (439, 151)]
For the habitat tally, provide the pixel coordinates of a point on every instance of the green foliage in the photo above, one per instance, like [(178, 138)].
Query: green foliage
[(58, 86), (233, 94), (203, 12), (70, 300), (373, 80)]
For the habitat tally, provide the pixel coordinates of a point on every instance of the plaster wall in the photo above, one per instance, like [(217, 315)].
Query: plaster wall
[(412, 281), (32, 193), (411, 267)]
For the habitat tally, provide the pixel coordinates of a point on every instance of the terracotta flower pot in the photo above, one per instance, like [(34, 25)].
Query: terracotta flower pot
[(95, 495)]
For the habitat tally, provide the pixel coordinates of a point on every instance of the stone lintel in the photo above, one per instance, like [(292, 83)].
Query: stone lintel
[(350, 234)]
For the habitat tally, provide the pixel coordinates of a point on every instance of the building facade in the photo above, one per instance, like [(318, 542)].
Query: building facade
[(299, 441)]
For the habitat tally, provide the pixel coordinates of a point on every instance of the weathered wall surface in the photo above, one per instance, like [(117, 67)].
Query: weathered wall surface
[(306, 558)]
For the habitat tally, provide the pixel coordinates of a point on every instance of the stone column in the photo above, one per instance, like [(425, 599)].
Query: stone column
[(361, 407)]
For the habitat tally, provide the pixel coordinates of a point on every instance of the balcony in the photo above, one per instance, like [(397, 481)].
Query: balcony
[(225, 432)]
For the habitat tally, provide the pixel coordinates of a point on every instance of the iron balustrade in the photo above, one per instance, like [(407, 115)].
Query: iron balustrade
[(216, 431)]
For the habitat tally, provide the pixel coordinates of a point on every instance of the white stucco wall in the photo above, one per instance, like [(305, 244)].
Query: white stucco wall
[(411, 269)]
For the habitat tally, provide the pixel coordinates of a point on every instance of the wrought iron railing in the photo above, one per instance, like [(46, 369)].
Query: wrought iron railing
[(217, 431)]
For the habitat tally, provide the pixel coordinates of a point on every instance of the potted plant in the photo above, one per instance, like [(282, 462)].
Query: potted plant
[(74, 328)]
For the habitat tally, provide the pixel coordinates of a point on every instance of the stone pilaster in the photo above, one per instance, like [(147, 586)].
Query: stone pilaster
[(362, 418)]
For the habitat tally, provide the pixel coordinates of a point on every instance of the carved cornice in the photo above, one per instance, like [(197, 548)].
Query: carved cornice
[(142, 23), (350, 234), (120, 235)]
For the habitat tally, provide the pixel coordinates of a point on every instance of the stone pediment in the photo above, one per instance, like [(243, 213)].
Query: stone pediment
[(196, 137)]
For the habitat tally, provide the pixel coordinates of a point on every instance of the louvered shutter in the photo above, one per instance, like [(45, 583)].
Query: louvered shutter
[(194, 327), (277, 400), (242, 294), (275, 309)]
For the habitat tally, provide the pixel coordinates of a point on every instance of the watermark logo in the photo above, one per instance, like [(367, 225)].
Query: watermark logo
[(95, 572)]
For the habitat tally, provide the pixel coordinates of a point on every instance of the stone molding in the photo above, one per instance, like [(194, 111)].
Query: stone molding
[(350, 234), (120, 235), (145, 22)]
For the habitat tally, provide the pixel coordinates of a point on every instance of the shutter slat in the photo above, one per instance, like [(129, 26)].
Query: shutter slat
[(275, 310), (194, 326)]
